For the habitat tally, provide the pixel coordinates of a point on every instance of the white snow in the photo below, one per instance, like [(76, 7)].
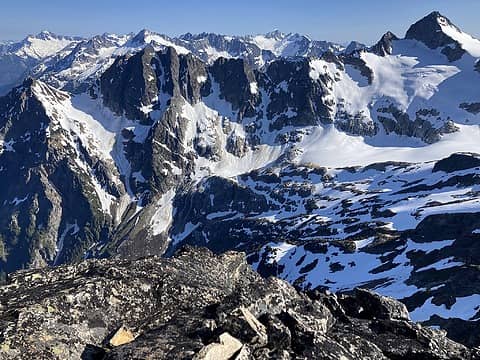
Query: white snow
[(468, 43), (266, 43), (357, 267), (322, 147), (201, 79), (99, 131), (70, 229), (189, 228), (464, 308), (227, 165), (7, 146), (360, 244), (40, 48), (156, 39), (284, 45), (442, 264), (17, 200), (214, 54), (163, 215)]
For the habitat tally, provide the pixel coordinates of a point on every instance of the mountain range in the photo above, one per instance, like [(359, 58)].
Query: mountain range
[(331, 167)]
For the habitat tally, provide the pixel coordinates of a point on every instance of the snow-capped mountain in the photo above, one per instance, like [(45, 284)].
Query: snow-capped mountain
[(18, 58), (329, 167), (71, 62), (41, 45), (256, 50)]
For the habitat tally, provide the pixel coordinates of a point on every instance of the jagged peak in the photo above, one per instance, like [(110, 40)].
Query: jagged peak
[(275, 34), (28, 82), (25, 89), (141, 36), (437, 31), (104, 40), (385, 45), (47, 35), (34, 86), (145, 32), (44, 92), (354, 46)]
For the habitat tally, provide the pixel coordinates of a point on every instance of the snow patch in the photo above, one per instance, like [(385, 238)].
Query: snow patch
[(163, 215)]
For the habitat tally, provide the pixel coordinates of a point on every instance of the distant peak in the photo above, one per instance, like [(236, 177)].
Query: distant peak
[(353, 47), (389, 36), (384, 46), (46, 35), (275, 34), (142, 35), (429, 30), (145, 32)]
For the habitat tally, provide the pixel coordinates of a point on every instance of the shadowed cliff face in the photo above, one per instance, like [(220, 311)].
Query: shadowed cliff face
[(200, 306)]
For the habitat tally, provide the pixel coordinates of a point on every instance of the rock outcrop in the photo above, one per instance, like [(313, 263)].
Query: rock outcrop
[(200, 306)]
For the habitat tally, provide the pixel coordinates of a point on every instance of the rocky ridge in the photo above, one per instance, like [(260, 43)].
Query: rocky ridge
[(70, 62), (200, 306)]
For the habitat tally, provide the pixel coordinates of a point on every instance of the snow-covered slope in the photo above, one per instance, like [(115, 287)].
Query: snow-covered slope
[(466, 41), (330, 167), (399, 226), (42, 45)]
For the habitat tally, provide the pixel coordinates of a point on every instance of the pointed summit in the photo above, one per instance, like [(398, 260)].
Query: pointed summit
[(437, 31), (384, 46), (275, 34), (430, 31), (141, 36), (353, 47), (46, 35)]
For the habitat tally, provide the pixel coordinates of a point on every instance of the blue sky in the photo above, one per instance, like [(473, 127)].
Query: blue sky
[(341, 21)]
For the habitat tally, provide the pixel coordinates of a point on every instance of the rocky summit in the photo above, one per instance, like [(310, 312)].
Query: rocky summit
[(197, 305)]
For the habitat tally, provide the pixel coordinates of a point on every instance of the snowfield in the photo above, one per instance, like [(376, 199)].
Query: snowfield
[(322, 147)]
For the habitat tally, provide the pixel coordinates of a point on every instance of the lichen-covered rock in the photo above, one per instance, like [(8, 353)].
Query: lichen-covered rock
[(200, 306)]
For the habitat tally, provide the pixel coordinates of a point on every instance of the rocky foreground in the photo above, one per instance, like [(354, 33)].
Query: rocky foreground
[(200, 306)]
